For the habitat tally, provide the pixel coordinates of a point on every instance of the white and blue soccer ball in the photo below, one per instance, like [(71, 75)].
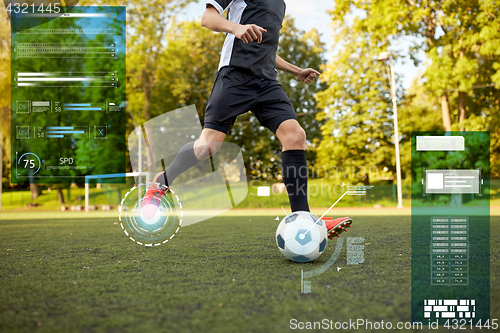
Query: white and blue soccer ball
[(301, 236)]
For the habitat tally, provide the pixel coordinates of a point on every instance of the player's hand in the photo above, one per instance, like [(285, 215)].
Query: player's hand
[(307, 75), (249, 32)]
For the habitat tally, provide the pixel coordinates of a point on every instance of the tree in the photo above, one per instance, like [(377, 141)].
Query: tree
[(5, 85), (145, 46), (418, 112), (458, 38), (49, 150), (148, 22), (4, 99), (357, 134), (186, 71), (464, 65), (465, 57)]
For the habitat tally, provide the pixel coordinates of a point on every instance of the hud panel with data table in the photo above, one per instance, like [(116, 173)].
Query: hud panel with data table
[(68, 94), (450, 227)]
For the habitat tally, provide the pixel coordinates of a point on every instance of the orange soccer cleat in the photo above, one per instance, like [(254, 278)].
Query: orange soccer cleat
[(336, 226), (152, 198)]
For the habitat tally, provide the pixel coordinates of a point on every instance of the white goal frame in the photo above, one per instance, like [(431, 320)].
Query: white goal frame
[(112, 175)]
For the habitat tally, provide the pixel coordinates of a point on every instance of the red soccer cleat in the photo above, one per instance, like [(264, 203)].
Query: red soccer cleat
[(336, 226), (152, 198)]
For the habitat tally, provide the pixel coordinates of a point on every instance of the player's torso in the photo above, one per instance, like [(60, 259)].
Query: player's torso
[(260, 59), (268, 14)]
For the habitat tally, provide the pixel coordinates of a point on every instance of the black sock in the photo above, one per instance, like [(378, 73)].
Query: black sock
[(294, 171), (184, 161)]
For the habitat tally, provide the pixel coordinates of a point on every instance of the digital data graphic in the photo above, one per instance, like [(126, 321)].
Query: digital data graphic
[(68, 93), (450, 226), (355, 249)]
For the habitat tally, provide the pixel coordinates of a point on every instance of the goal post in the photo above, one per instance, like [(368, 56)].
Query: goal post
[(107, 176)]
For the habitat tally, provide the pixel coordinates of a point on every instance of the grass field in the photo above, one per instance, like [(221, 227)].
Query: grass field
[(79, 273)]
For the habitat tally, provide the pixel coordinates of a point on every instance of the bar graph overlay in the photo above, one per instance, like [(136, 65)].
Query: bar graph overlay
[(84, 107), (61, 50), (61, 132), (66, 79)]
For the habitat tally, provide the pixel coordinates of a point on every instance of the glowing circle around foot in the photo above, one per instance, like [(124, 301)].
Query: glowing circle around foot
[(153, 216), (150, 229)]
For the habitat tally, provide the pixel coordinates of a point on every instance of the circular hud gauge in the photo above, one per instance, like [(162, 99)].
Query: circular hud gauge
[(155, 230), (28, 164)]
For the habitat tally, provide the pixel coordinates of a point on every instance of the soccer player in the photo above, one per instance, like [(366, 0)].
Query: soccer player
[(246, 80)]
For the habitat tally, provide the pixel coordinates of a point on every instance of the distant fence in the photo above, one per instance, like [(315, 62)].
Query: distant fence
[(320, 194), (16, 198)]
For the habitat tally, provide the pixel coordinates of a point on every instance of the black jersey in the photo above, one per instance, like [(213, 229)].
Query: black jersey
[(260, 59)]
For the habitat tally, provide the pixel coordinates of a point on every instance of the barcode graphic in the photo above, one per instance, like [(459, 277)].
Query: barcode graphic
[(449, 308)]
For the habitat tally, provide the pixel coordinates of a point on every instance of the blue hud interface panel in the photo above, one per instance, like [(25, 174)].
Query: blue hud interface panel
[(450, 227), (68, 93)]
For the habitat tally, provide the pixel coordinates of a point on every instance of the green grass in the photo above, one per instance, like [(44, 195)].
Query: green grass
[(222, 275)]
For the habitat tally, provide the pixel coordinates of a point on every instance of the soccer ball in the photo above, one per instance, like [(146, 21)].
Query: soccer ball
[(301, 236)]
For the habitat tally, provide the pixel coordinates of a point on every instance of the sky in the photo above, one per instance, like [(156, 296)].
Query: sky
[(310, 14)]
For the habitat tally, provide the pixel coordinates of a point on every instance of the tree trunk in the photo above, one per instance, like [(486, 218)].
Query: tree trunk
[(34, 189), (461, 109), (456, 200), (146, 87), (445, 110), (35, 192), (60, 195), (366, 179), (248, 169), (1, 168), (243, 170)]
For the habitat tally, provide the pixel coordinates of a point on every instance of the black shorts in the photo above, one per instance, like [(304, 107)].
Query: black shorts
[(237, 91)]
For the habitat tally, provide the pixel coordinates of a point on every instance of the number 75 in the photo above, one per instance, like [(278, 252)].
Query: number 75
[(30, 162)]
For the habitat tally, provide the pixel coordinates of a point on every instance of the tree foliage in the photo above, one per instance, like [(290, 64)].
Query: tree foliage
[(462, 45), (417, 112), (461, 41), (187, 69), (147, 24), (5, 95), (358, 129)]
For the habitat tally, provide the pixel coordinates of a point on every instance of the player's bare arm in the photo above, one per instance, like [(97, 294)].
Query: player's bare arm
[(212, 20), (306, 75)]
